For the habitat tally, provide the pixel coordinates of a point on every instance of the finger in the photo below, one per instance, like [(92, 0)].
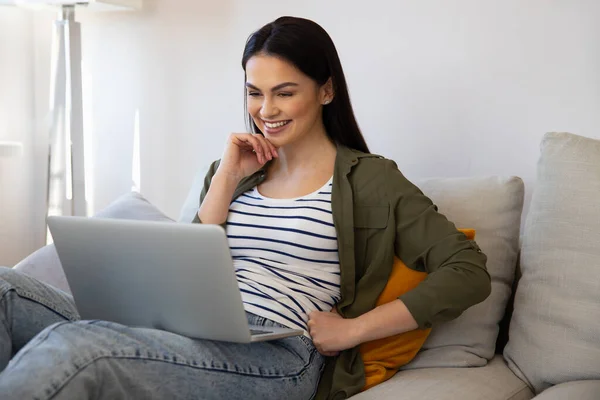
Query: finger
[(326, 353), (273, 148), (265, 147), (257, 148), (237, 140), (242, 141)]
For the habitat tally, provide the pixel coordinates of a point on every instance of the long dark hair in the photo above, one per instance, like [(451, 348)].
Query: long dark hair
[(307, 45)]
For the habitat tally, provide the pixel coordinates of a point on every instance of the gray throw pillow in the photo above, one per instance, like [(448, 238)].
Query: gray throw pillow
[(554, 334), (492, 206), (192, 201), (44, 263)]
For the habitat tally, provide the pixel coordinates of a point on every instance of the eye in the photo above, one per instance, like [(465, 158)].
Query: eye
[(285, 94), (253, 94)]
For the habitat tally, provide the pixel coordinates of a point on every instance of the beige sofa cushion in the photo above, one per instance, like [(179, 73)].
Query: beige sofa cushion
[(491, 382), (578, 390), (492, 206), (554, 334)]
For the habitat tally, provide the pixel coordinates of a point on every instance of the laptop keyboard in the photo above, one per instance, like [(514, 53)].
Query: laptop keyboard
[(258, 332)]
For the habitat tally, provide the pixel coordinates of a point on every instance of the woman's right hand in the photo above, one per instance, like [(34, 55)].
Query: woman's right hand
[(245, 153)]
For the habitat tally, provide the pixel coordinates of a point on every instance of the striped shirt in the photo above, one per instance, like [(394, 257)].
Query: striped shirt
[(285, 255)]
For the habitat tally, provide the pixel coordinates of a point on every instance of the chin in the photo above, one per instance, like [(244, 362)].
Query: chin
[(279, 139)]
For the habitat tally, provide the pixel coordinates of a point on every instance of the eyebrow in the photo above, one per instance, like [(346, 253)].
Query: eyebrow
[(274, 88)]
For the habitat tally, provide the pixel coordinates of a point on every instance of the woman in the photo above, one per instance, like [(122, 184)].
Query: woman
[(313, 222)]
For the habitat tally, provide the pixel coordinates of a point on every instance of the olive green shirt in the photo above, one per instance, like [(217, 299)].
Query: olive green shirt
[(377, 214)]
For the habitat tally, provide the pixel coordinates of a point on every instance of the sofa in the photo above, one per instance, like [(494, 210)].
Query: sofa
[(538, 333)]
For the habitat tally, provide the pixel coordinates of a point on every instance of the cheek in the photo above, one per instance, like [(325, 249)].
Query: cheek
[(253, 107), (301, 109)]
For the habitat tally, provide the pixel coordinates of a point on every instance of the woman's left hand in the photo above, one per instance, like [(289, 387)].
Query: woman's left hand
[(332, 333)]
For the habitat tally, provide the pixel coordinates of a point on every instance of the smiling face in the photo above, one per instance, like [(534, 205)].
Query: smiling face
[(285, 104)]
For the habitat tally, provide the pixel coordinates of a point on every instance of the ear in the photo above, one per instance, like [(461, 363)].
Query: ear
[(326, 92)]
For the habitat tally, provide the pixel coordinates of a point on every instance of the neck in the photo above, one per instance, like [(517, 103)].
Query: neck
[(314, 151)]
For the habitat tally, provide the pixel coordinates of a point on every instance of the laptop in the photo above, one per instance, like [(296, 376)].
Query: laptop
[(163, 275)]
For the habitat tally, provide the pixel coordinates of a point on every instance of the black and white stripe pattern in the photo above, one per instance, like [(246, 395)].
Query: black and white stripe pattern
[(285, 254)]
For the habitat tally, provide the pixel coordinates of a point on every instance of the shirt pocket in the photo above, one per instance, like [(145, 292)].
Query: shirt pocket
[(370, 222), (371, 216)]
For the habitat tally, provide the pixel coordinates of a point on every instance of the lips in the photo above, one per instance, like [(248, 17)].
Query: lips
[(277, 124), (275, 127)]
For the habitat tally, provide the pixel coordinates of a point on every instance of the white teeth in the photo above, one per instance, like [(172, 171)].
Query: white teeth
[(276, 124)]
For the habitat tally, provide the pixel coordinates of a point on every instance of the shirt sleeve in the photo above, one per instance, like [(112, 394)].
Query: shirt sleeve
[(426, 241)]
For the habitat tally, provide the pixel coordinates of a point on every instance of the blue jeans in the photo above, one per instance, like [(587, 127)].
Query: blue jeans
[(46, 352)]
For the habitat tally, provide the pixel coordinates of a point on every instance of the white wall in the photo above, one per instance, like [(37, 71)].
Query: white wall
[(446, 88), (17, 218), (175, 66)]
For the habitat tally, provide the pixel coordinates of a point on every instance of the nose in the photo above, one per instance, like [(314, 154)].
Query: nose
[(268, 109)]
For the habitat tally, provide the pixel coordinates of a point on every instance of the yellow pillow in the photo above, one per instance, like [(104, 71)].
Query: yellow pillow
[(383, 357)]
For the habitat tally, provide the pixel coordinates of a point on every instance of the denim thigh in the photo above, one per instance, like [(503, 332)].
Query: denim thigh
[(105, 360), (27, 306)]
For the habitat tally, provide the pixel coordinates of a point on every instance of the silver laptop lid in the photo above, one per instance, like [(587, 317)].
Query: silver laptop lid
[(165, 275)]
